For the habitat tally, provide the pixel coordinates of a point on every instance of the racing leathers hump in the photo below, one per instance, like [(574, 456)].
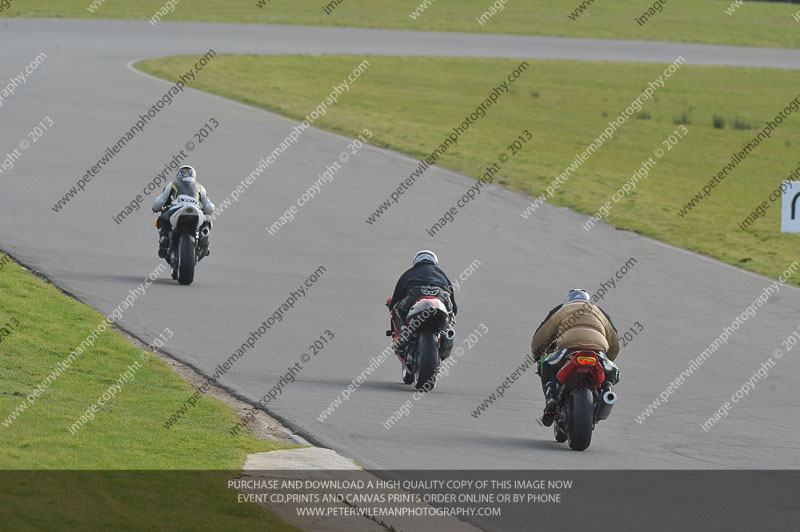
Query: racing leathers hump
[(577, 324), (180, 191)]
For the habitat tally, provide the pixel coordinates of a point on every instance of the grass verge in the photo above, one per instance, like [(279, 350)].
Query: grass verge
[(754, 23), (40, 326), (411, 104)]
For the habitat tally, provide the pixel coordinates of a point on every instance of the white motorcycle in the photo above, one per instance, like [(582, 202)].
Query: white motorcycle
[(188, 238)]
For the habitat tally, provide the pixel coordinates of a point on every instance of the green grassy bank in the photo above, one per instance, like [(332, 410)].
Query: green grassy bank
[(40, 326), (754, 23), (412, 103)]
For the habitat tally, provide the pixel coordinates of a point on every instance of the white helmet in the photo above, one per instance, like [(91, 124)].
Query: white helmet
[(426, 255), (187, 173)]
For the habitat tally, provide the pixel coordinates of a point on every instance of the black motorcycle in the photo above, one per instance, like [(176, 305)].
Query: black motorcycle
[(427, 339)]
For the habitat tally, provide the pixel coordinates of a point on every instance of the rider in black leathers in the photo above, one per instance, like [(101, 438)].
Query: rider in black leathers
[(423, 278)]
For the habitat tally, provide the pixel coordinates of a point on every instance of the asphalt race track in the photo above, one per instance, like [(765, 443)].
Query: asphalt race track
[(681, 299)]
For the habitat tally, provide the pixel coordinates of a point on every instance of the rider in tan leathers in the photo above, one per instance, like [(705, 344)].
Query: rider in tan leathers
[(575, 324)]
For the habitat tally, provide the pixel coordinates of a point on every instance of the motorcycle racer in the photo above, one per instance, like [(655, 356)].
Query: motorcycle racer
[(184, 190), (424, 278), (575, 324)]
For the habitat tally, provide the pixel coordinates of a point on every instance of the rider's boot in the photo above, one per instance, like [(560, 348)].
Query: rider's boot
[(399, 342), (163, 246), (550, 405), (611, 372)]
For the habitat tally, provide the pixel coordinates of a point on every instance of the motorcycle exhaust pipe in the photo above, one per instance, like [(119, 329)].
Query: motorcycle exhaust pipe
[(204, 232), (446, 343), (609, 399)]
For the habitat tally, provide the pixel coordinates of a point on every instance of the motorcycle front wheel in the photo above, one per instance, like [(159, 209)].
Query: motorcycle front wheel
[(560, 435), (408, 377)]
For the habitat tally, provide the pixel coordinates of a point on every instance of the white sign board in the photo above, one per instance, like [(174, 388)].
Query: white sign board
[(790, 211)]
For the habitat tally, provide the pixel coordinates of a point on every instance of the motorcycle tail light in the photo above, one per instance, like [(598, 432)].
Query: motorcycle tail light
[(587, 361)]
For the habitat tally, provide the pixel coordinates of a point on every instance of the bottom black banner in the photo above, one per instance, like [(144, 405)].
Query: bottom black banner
[(401, 500)]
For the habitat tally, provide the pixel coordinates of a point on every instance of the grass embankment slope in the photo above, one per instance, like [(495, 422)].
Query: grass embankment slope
[(754, 23), (411, 103), (42, 327)]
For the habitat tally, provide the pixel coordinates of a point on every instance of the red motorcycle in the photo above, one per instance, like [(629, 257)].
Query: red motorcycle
[(580, 400)]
